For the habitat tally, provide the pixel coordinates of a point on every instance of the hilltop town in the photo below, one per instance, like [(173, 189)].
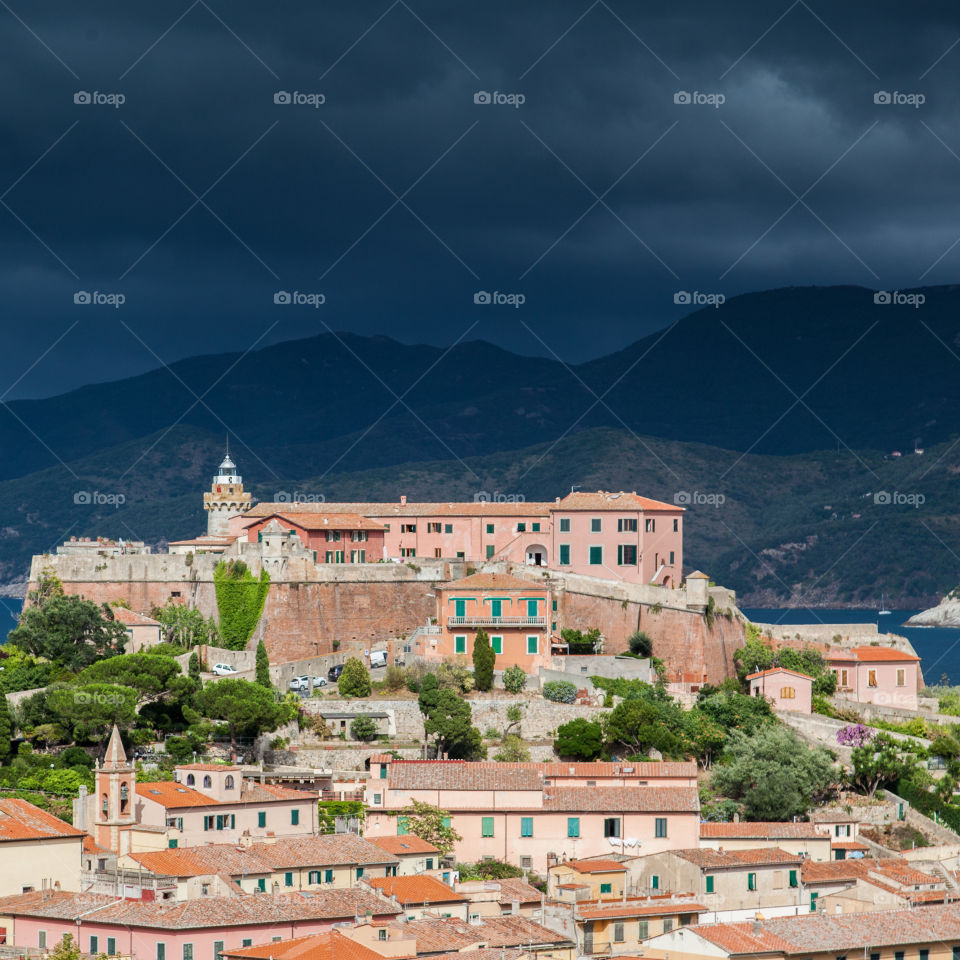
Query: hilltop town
[(487, 729)]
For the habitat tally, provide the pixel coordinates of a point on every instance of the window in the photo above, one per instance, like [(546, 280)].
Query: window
[(898, 955), (793, 878), (433, 527), (313, 876), (246, 942), (489, 528), (667, 924), (333, 536), (627, 525), (535, 527), (486, 827), (172, 843), (618, 931), (207, 782), (261, 818), (787, 693), (437, 553), (162, 951), (626, 554), (360, 556), (871, 678), (94, 945), (676, 526), (901, 678), (564, 554), (924, 955), (188, 951), (573, 826), (294, 817), (654, 882), (596, 524), (228, 782), (606, 888), (660, 827), (611, 827), (497, 644), (403, 826), (533, 608), (643, 929), (359, 872), (408, 552), (459, 608), (596, 556), (813, 909), (496, 608), (408, 528), (217, 949), (42, 939), (489, 551), (526, 826), (671, 558), (565, 525), (377, 799), (288, 879), (191, 779), (843, 678), (526, 863), (649, 526), (328, 876), (429, 864), (751, 881), (521, 528), (262, 884), (459, 644), (533, 644), (381, 934)]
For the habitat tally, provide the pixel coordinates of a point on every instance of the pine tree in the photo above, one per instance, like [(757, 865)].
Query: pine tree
[(5, 728), (193, 668), (263, 666), (483, 661)]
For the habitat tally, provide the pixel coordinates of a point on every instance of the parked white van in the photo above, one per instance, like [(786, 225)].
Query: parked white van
[(378, 658)]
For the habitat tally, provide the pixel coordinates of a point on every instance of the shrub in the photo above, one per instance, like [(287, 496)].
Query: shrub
[(354, 680), (483, 661), (580, 739), (512, 750), (514, 679), (363, 728), (560, 691), (395, 678), (640, 643)]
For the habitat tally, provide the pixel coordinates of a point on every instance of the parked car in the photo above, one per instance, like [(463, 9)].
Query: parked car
[(319, 681), (333, 674), (378, 658), (302, 684), (222, 669)]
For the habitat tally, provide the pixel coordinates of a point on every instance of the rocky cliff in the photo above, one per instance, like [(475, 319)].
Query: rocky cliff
[(945, 614)]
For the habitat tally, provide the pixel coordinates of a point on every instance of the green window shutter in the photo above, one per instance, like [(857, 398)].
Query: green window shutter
[(448, 528), (710, 883), (489, 528), (403, 826), (751, 881), (233, 821), (813, 902), (328, 876), (606, 888), (654, 882), (620, 554), (172, 844), (489, 551), (596, 556), (660, 827), (446, 823), (573, 826), (111, 946), (532, 608), (565, 525), (94, 945), (526, 826), (246, 942), (261, 818), (497, 644), (294, 817), (459, 608), (521, 528), (383, 771), (564, 554), (793, 878), (643, 930), (217, 949), (359, 872), (288, 879), (262, 884), (459, 644), (532, 644), (486, 827), (596, 525), (496, 608)]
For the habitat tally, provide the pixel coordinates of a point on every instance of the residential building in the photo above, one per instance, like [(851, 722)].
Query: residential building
[(493, 898), (525, 813), (413, 855), (929, 933), (101, 547), (422, 897), (591, 879), (787, 690), (333, 862), (195, 929), (803, 839), (333, 538), (37, 849), (882, 675), (201, 544), (514, 613), (732, 884), (143, 632)]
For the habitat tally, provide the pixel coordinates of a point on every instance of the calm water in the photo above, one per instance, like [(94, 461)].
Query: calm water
[(938, 648)]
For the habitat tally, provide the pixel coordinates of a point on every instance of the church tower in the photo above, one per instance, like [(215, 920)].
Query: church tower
[(116, 783), (226, 498)]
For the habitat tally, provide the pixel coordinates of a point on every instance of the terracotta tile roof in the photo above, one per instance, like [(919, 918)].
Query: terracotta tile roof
[(215, 858), (739, 938), (416, 890), (90, 847), (594, 866), (321, 521), (891, 868), (344, 849), (490, 775), (169, 794), (760, 829), (204, 541), (603, 500), (704, 857), (221, 767), (407, 844), (202, 912), (426, 511), (449, 934), (882, 655), (488, 953), (847, 845), (639, 907), (20, 820), (513, 888), (331, 945), (132, 618), (493, 581), (637, 799), (772, 670)]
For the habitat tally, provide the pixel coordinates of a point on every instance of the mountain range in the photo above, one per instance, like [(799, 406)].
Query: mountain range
[(776, 415)]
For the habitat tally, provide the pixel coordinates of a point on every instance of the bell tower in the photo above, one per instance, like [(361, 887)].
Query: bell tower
[(116, 783), (226, 498)]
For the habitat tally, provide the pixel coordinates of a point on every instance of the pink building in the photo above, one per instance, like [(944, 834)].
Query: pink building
[(515, 614), (881, 675), (333, 538), (199, 929), (617, 536), (785, 689), (525, 813)]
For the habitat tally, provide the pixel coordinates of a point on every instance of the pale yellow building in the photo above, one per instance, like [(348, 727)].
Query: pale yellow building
[(37, 849)]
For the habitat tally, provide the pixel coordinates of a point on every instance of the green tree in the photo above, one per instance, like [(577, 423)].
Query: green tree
[(69, 630), (640, 644), (450, 724), (580, 739), (774, 774), (66, 949), (154, 677), (193, 670), (240, 600), (514, 679), (89, 710), (354, 680), (704, 736), (876, 764), (488, 870), (580, 641), (185, 626), (246, 708), (640, 725), (512, 750), (363, 728), (429, 692), (483, 660), (6, 728), (431, 824), (263, 665), (736, 711)]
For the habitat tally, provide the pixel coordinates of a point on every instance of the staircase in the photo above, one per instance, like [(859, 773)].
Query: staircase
[(941, 871)]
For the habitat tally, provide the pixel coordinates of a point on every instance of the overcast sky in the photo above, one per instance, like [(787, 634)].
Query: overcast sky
[(587, 191)]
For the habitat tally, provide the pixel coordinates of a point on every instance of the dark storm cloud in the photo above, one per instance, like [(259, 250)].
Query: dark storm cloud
[(597, 199)]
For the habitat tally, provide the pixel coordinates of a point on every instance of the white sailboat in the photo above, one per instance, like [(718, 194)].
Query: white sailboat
[(883, 611)]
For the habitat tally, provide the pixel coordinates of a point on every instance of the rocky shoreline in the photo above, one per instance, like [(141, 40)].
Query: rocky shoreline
[(945, 614)]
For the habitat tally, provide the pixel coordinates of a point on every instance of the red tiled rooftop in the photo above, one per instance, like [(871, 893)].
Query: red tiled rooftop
[(21, 820), (604, 500), (772, 670), (594, 866), (331, 945), (882, 655), (416, 889), (494, 581), (749, 830), (753, 856), (407, 844)]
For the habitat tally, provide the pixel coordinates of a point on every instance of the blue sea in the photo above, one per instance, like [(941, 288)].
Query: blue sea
[(937, 647)]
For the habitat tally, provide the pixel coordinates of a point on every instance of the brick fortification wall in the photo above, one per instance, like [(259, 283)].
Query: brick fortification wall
[(309, 606)]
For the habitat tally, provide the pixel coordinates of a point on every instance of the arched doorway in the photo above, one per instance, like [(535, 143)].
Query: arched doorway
[(536, 555)]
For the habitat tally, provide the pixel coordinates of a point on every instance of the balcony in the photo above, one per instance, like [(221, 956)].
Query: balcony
[(487, 621)]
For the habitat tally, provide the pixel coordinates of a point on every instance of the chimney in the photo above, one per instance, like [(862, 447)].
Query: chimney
[(403, 500)]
